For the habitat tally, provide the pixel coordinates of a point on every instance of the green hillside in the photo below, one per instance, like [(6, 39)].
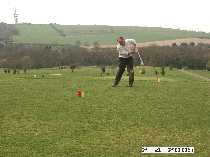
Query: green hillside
[(88, 34)]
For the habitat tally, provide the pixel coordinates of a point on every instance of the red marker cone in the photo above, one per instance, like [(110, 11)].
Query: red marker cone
[(79, 93)]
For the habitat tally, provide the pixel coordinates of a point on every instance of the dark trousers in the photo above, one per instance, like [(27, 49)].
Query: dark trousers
[(123, 63)]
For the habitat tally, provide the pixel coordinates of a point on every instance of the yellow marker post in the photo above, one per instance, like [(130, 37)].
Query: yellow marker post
[(83, 94), (158, 79)]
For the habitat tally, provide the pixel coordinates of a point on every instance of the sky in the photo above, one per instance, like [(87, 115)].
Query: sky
[(181, 14)]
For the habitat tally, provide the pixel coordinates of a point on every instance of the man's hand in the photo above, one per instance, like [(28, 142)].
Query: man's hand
[(131, 53), (141, 51), (134, 51)]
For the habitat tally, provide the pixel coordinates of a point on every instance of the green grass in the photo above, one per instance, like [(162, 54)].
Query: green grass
[(31, 33), (204, 73), (43, 117)]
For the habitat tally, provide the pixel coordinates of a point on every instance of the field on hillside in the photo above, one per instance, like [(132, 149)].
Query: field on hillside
[(40, 114), (87, 35)]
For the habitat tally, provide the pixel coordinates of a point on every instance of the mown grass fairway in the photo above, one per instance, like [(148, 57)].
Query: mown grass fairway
[(42, 116)]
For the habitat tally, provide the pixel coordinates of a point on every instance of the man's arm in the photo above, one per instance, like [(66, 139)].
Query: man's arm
[(131, 44)]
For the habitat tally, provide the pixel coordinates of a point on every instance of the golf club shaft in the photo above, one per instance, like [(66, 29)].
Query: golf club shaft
[(142, 63)]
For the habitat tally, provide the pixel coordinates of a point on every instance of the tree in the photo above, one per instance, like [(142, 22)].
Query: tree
[(174, 45), (78, 43), (183, 44), (103, 70), (26, 62), (7, 31), (72, 67), (192, 44), (96, 45), (163, 71), (208, 65), (143, 71)]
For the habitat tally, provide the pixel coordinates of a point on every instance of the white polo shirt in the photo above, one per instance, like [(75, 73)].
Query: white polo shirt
[(125, 50)]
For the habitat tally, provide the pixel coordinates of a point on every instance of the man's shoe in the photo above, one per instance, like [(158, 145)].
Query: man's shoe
[(114, 85), (130, 85)]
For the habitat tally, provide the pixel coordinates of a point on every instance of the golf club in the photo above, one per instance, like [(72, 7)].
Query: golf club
[(141, 60)]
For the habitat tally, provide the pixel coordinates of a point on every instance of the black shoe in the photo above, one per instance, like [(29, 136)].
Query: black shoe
[(130, 85), (114, 85)]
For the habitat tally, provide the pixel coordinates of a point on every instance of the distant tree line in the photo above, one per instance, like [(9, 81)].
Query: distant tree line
[(20, 57), (24, 57), (184, 56)]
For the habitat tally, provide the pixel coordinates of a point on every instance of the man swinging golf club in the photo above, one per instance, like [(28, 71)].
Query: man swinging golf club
[(127, 48)]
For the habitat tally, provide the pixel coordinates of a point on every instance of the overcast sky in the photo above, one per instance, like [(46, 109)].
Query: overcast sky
[(183, 14)]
